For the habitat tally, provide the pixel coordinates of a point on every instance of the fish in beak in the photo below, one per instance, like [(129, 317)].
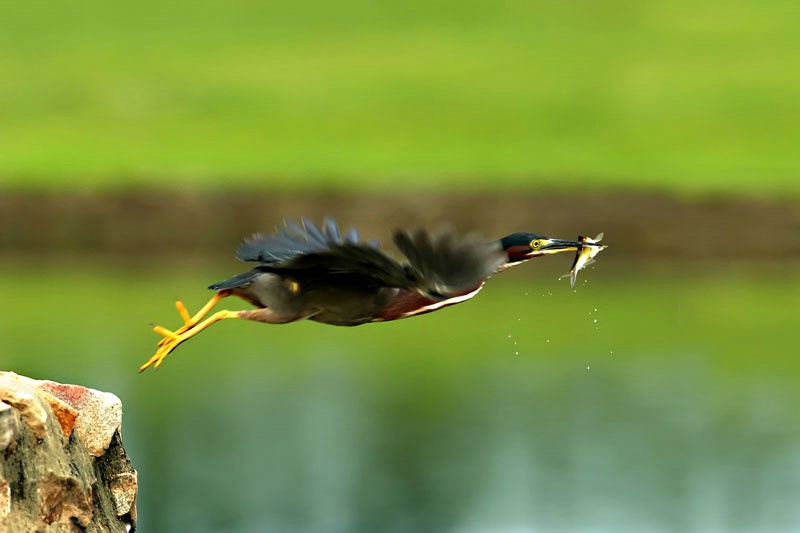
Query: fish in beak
[(585, 256)]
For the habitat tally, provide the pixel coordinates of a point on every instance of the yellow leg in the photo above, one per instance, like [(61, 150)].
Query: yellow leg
[(190, 321), (172, 339)]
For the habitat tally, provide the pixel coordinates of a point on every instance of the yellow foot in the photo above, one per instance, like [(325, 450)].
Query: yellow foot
[(172, 339), (156, 360), (187, 318), (190, 321)]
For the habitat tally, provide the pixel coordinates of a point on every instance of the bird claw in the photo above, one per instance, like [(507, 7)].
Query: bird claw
[(168, 334), (159, 356), (188, 323), (187, 318), (171, 338), (154, 361), (170, 341)]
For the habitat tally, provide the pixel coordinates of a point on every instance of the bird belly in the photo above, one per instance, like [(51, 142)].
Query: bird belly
[(318, 300), (342, 307), (408, 303)]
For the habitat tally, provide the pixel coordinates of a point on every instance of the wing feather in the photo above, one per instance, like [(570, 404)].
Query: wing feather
[(444, 264), (438, 265), (313, 234)]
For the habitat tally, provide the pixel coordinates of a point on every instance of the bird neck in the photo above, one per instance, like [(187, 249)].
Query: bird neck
[(511, 263), (516, 255)]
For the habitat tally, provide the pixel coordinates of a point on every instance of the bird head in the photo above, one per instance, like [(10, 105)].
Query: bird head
[(523, 246)]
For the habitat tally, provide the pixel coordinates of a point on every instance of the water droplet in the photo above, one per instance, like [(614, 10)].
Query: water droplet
[(509, 335), (516, 353), (595, 309), (548, 340), (588, 367), (595, 321)]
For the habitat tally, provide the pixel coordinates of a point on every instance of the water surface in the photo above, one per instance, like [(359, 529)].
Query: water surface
[(655, 399)]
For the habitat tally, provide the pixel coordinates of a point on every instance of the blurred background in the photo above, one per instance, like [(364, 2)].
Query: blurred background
[(140, 142)]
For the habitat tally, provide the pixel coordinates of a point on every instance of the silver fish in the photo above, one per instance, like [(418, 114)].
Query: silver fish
[(584, 257)]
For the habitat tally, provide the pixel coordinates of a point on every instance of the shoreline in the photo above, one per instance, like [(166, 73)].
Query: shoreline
[(164, 223)]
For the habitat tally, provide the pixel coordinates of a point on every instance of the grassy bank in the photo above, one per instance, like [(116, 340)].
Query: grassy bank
[(680, 96)]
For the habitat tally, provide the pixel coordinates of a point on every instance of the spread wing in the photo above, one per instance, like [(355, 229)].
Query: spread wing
[(444, 264), (439, 265), (311, 252), (295, 240)]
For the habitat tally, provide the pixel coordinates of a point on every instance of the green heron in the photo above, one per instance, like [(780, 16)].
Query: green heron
[(308, 272)]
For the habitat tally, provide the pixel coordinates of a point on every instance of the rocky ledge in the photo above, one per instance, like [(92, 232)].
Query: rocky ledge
[(62, 463)]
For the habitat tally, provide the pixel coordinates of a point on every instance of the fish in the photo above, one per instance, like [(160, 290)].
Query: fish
[(584, 257)]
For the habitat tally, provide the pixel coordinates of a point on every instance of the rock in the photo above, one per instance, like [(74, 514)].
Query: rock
[(65, 414), (20, 393), (64, 499), (100, 413), (123, 492), (122, 480), (5, 501), (62, 463), (8, 426)]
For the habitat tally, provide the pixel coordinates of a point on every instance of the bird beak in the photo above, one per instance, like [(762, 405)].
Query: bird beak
[(554, 246)]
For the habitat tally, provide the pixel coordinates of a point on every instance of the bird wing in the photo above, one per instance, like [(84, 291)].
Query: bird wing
[(297, 249), (443, 264), (440, 265), (294, 240)]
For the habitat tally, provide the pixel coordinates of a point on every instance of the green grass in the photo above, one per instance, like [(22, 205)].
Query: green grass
[(682, 96)]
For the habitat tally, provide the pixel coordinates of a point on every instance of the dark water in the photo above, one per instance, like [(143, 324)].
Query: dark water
[(656, 399)]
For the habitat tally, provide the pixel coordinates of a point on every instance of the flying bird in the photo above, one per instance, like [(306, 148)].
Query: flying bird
[(304, 271)]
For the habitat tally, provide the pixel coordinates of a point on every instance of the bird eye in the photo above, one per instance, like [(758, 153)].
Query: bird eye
[(535, 244)]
